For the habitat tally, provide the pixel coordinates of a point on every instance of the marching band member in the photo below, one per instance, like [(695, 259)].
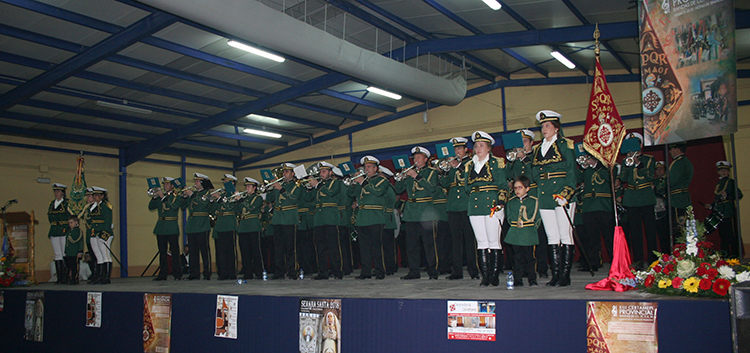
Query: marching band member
[(392, 223), (597, 212), (680, 176), (443, 235), (166, 230), (85, 216), (58, 214), (306, 255), (198, 225), (248, 231), (419, 213), (285, 197), (346, 227), (101, 233), (462, 235), (224, 229), (554, 170), (327, 219), (371, 217), (724, 204), (486, 182)]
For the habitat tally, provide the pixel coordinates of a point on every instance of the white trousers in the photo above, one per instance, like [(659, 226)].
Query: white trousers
[(487, 230), (58, 247), (101, 249), (557, 225)]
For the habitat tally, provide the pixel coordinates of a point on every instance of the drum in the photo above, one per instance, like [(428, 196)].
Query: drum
[(712, 221)]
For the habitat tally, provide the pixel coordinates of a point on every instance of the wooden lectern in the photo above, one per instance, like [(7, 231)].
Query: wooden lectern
[(21, 227)]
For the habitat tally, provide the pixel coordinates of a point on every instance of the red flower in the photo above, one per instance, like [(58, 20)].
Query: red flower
[(649, 281), (701, 271), (712, 273), (677, 282), (701, 254), (676, 253), (657, 268), (705, 284), (720, 263), (668, 269), (665, 257), (705, 265), (721, 286)]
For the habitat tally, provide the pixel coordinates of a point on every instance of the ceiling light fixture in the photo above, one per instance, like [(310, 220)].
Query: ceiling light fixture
[(262, 133), (124, 106), (562, 59), (256, 51), (384, 93), (493, 4)]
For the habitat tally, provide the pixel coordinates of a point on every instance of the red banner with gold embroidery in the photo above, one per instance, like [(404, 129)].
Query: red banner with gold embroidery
[(604, 128)]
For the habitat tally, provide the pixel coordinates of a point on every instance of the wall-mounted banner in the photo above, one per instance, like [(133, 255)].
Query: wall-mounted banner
[(688, 69), (94, 309), (319, 325), (226, 316), (613, 327), (157, 322), (34, 316), (471, 320)]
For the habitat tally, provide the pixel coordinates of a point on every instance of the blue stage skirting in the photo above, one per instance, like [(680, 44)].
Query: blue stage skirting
[(270, 324)]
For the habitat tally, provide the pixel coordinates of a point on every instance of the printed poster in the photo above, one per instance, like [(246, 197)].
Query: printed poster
[(320, 325), (157, 322), (94, 309), (34, 317), (688, 69), (614, 327), (226, 316), (471, 320)]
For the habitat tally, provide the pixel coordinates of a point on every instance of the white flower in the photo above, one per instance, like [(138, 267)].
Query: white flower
[(726, 272), (692, 249), (685, 268), (743, 277)]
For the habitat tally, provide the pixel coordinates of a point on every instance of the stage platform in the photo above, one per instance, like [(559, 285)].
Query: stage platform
[(390, 315)]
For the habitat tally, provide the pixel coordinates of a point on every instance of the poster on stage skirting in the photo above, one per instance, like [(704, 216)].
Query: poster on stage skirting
[(226, 316), (34, 316), (94, 309), (619, 327), (157, 322), (471, 320), (320, 325), (688, 69)]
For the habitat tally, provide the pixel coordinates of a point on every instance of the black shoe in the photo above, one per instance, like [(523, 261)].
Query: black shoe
[(381, 276), (160, 279), (178, 278), (532, 282), (320, 276), (433, 277), (278, 276), (476, 276), (452, 277), (411, 276), (363, 277), (518, 283), (206, 278), (543, 275), (192, 278), (339, 276)]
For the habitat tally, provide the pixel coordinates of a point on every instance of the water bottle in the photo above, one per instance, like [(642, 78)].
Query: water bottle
[(241, 281), (301, 274), (265, 275), (510, 280)]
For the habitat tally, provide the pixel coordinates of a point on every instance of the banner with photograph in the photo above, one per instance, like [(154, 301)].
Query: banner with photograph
[(320, 325), (226, 316), (157, 322), (688, 69), (34, 316), (94, 309), (613, 327), (471, 320)]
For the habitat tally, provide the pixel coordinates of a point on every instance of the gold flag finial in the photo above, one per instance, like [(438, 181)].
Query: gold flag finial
[(596, 39)]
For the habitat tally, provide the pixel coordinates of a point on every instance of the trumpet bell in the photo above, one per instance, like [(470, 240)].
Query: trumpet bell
[(511, 155)]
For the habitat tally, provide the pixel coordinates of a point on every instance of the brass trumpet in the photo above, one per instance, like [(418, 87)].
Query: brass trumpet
[(443, 164), (630, 159), (152, 192), (278, 173), (192, 188), (220, 191), (402, 174), (349, 180)]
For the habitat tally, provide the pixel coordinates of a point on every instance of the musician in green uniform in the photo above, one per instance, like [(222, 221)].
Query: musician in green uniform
[(522, 214), (73, 249), (597, 211), (487, 184), (392, 223), (723, 205), (327, 220), (443, 236), (248, 231), (370, 190), (660, 208), (554, 170), (419, 182), (223, 209), (285, 197), (86, 218), (58, 214), (306, 254), (198, 225), (680, 176), (101, 233), (346, 227), (166, 230)]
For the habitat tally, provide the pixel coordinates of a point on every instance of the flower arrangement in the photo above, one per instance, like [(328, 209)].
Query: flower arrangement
[(9, 275), (693, 268)]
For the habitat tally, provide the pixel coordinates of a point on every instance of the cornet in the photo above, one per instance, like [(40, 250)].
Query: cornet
[(514, 154), (152, 192), (630, 159), (443, 164), (402, 174), (349, 180)]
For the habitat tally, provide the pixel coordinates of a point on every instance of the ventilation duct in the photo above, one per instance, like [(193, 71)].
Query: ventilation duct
[(258, 24)]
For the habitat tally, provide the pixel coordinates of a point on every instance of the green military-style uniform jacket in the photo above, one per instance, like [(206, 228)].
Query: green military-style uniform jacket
[(725, 205), (523, 167), (226, 217), (523, 215), (680, 176), (597, 190), (306, 209), (420, 192), (554, 173), (198, 212), (345, 208), (167, 208), (640, 178), (85, 218), (458, 198), (390, 199), (101, 221), (660, 188), (58, 218), (73, 241), (265, 219), (327, 196), (440, 201), (371, 201), (285, 203), (249, 211), (487, 188)]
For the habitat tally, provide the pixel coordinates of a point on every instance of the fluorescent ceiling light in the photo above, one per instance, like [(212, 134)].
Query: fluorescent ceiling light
[(493, 4), (263, 118), (262, 133), (384, 93), (556, 54), (256, 51), (124, 107)]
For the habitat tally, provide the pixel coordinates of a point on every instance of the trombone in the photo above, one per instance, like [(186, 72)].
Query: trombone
[(402, 174), (349, 180)]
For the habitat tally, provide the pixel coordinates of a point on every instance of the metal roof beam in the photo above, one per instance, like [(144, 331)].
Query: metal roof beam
[(221, 146), (72, 124), (296, 120), (233, 136), (60, 136), (80, 62), (193, 153)]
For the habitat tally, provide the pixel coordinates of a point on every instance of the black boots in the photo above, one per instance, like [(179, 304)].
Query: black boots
[(496, 258), (71, 263), (106, 273), (484, 266), (94, 279), (62, 272), (554, 253), (568, 252)]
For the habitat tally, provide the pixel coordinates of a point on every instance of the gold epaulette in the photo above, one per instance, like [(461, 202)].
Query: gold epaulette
[(571, 143)]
